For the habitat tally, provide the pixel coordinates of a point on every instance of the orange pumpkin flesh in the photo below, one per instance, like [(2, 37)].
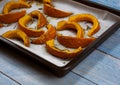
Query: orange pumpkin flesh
[(65, 54), (47, 2), (11, 17), (22, 0), (41, 18), (63, 25), (29, 31), (14, 5), (17, 34), (74, 42), (87, 17), (53, 12), (1, 25), (50, 34)]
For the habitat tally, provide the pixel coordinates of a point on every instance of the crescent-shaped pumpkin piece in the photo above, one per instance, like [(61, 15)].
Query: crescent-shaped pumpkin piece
[(23, 0), (11, 17), (41, 18), (74, 42), (14, 5), (87, 17), (53, 12), (17, 34), (50, 34), (64, 54), (47, 2), (22, 24), (64, 25), (1, 25)]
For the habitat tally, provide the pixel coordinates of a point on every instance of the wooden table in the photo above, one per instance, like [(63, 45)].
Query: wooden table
[(101, 67)]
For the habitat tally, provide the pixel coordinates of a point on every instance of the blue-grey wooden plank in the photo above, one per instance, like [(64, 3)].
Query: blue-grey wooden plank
[(28, 73), (4, 80), (100, 68), (110, 3), (112, 45)]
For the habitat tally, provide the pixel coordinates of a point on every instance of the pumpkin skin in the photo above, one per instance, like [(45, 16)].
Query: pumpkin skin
[(44, 1), (64, 25), (47, 2), (64, 54), (41, 18), (29, 31), (22, 0), (40, 23), (17, 34), (1, 25), (74, 42), (69, 41), (50, 34), (87, 17), (11, 17), (53, 12), (14, 5)]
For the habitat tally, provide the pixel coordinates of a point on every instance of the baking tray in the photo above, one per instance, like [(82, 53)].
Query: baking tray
[(109, 20)]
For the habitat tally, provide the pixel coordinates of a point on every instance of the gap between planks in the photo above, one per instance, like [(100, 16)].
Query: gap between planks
[(10, 77)]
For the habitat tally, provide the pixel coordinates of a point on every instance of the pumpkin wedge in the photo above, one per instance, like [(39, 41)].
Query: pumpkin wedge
[(87, 17), (47, 2), (64, 54), (1, 25), (22, 24), (14, 5), (53, 12), (17, 34), (64, 25), (41, 18), (50, 34), (74, 42), (11, 17)]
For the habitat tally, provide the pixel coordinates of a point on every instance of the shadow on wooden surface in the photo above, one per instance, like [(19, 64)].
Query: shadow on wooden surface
[(25, 60), (29, 72)]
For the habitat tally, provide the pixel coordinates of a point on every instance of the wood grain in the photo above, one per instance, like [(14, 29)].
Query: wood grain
[(100, 68), (112, 45), (4, 80), (110, 3), (26, 72)]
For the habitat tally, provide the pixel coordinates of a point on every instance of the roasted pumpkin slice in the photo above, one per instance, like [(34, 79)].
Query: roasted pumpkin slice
[(73, 42), (50, 34), (22, 24), (63, 25), (1, 25), (22, 0), (39, 40), (87, 17), (47, 2), (65, 54), (11, 17), (25, 0), (53, 12), (41, 18), (14, 5), (17, 34)]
